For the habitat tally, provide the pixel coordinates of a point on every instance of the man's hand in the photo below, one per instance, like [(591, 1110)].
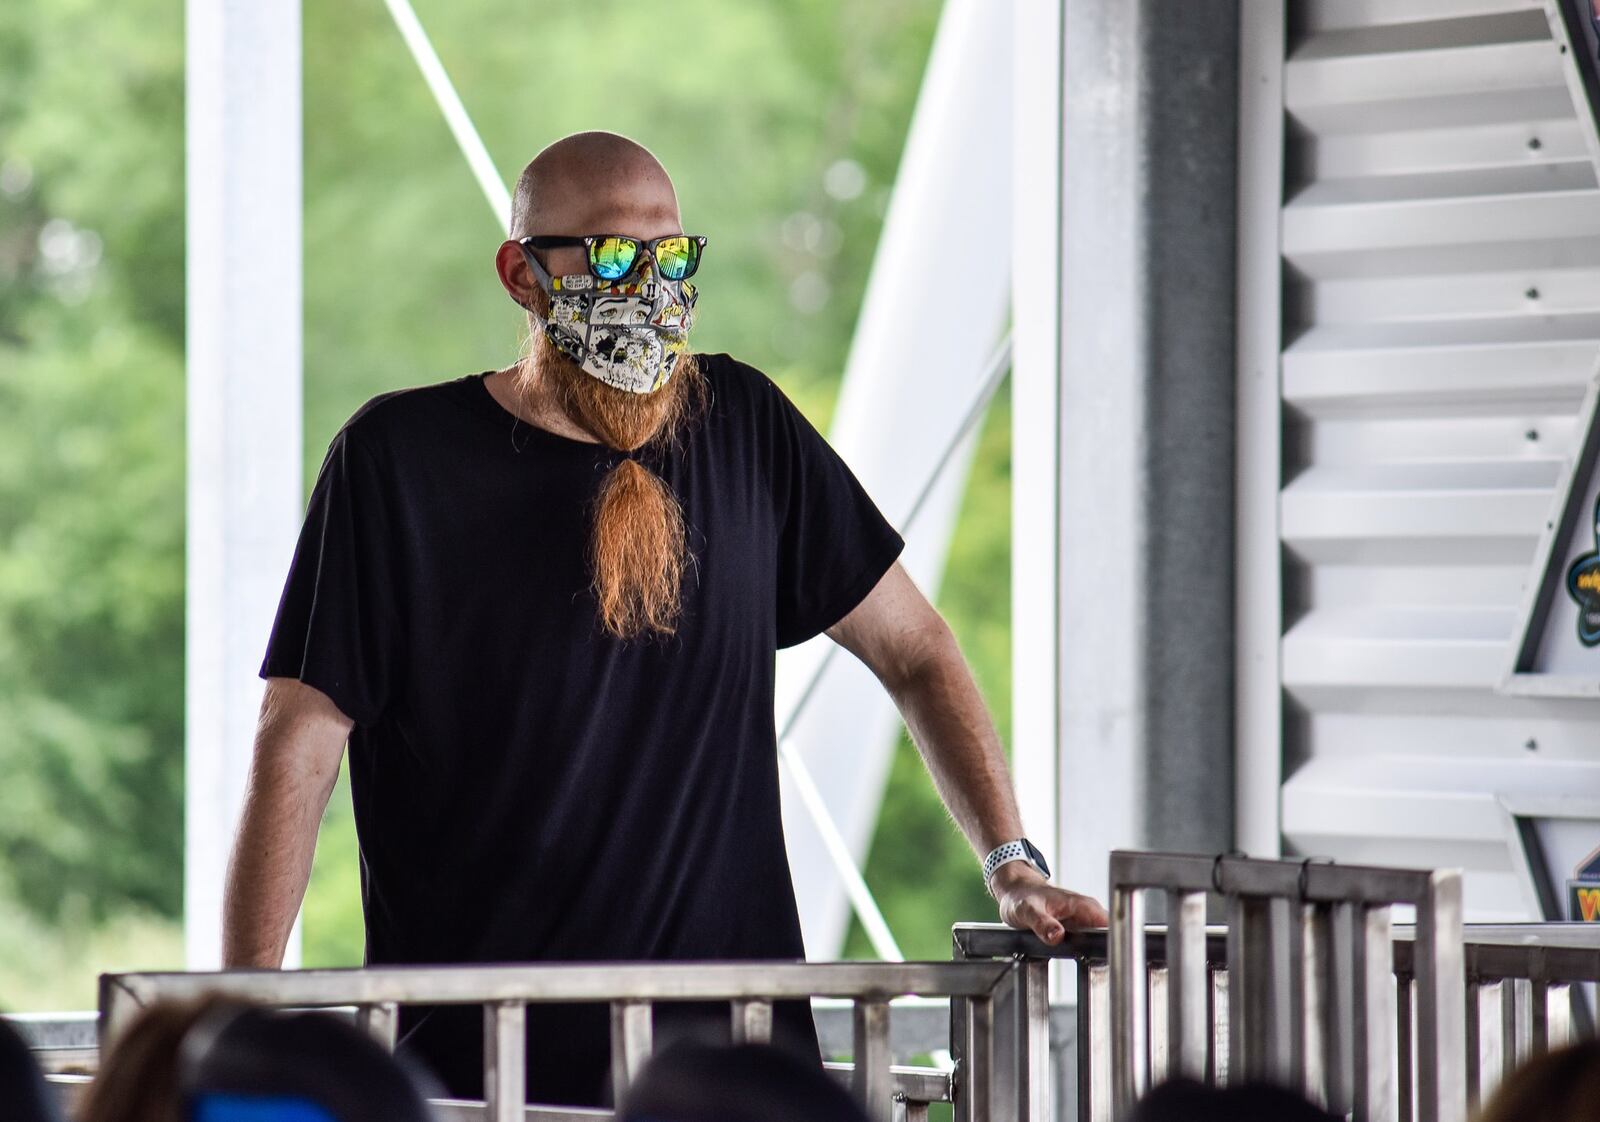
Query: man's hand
[(1029, 902)]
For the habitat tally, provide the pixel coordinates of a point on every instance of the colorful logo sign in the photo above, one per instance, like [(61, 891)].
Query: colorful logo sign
[(1583, 585), (1583, 890)]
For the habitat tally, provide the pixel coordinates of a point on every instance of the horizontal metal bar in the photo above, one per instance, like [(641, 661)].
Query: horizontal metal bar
[(1250, 876), (1570, 952), (917, 1084), (467, 1110), (996, 940), (66, 1061), (1180, 871), (663, 981), (1543, 952)]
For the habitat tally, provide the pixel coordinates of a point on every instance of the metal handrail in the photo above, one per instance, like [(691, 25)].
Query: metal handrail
[(376, 993), (1523, 989)]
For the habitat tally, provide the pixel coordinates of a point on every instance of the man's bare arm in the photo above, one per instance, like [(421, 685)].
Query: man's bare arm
[(299, 740), (907, 644)]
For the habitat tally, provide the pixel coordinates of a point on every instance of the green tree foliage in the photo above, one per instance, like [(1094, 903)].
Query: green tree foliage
[(782, 124), (91, 458)]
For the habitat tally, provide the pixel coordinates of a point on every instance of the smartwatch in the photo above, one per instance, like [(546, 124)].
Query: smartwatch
[(1020, 850)]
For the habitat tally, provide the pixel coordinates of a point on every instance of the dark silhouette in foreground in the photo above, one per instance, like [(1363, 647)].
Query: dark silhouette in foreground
[(693, 1082)]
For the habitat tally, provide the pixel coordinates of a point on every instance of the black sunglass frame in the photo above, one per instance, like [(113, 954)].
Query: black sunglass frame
[(646, 249)]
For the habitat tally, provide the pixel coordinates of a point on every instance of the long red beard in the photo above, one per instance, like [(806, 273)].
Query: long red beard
[(621, 420), (638, 551)]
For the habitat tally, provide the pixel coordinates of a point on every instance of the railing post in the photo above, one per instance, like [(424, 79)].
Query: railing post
[(963, 1109), (631, 1029), (871, 1055), (752, 1022), (1130, 1057), (1559, 1023), (1318, 1054), (1188, 977), (1094, 1042), (381, 1021), (1373, 1015), (1474, 1042), (504, 1073), (117, 1008), (1255, 1038), (1440, 969), (974, 1098), (1405, 1046), (1034, 1077)]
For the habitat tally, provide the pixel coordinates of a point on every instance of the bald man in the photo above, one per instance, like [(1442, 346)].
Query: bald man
[(542, 603)]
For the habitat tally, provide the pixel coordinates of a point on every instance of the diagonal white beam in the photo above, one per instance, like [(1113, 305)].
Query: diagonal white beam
[(455, 113)]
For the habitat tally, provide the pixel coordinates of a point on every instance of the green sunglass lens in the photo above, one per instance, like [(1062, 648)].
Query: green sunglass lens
[(676, 256), (612, 258)]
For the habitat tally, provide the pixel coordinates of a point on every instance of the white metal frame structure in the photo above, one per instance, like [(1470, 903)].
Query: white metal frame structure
[(1036, 300), (243, 293)]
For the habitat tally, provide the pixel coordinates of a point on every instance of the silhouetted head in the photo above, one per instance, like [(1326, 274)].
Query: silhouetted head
[(23, 1093), (692, 1082), (1559, 1086), (1184, 1100)]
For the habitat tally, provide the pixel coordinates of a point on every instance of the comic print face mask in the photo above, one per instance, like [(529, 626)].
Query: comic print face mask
[(628, 333)]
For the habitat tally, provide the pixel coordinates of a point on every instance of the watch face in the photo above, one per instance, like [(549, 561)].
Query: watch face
[(1036, 856)]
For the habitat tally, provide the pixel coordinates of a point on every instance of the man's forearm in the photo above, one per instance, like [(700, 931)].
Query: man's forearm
[(952, 729), (270, 864), (267, 873)]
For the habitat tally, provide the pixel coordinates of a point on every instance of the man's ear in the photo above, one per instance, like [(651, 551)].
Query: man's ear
[(515, 276)]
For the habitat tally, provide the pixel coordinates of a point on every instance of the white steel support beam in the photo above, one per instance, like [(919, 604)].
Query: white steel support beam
[(1036, 300), (244, 408), (916, 363), (1258, 620), (1147, 415)]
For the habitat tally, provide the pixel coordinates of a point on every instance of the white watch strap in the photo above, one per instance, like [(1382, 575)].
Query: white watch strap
[(1003, 854)]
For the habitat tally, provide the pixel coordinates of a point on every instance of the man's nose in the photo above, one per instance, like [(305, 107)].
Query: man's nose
[(647, 270)]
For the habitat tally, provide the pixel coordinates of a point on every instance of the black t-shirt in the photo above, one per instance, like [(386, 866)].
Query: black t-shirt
[(526, 786)]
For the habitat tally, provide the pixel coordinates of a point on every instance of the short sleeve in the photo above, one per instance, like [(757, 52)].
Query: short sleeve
[(337, 627), (834, 544)]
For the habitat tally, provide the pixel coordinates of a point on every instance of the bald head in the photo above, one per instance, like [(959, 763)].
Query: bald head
[(590, 182)]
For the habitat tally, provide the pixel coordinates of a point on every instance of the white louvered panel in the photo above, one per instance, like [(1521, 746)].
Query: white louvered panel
[(1411, 70), (1336, 15), (1527, 140), (1436, 368), (1443, 223), (1524, 287), (1441, 290)]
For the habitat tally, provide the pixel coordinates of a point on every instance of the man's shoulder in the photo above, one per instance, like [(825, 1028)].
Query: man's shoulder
[(736, 386), (402, 413)]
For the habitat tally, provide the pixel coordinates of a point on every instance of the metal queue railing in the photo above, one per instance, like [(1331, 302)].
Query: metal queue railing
[(1311, 992), (888, 1092), (1306, 1006), (1310, 984)]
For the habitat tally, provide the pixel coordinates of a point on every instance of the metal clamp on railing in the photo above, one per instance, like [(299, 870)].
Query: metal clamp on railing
[(630, 989)]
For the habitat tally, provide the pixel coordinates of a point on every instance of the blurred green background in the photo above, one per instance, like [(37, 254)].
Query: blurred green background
[(782, 123)]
